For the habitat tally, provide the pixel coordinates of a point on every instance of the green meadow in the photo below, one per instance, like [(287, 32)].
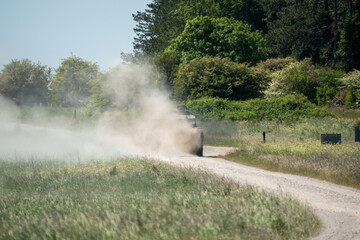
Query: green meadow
[(139, 199)]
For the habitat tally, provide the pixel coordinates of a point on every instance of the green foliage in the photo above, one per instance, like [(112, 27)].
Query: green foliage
[(350, 100), (342, 113), (290, 107), (164, 20), (248, 11), (319, 85), (139, 199), (299, 78), (311, 29), (294, 28), (275, 64), (125, 87), (216, 77), (352, 82), (25, 82), (98, 101), (222, 37), (157, 26), (301, 29), (168, 63), (70, 87), (329, 85), (348, 54)]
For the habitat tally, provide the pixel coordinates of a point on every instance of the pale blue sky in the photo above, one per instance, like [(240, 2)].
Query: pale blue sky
[(48, 31)]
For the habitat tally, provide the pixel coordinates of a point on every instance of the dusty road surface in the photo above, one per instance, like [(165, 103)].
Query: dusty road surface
[(336, 206)]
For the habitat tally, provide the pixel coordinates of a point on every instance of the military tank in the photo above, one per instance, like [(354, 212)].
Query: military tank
[(190, 139)]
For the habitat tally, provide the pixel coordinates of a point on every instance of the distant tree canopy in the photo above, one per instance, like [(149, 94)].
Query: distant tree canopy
[(25, 82), (326, 31), (323, 30), (222, 37), (165, 20), (71, 86)]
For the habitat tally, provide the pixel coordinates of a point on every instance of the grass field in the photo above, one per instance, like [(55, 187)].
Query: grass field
[(293, 147), (139, 199)]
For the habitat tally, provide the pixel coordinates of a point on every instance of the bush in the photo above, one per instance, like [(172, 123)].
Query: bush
[(275, 64), (216, 77), (329, 85), (350, 100), (290, 107), (297, 78), (352, 82)]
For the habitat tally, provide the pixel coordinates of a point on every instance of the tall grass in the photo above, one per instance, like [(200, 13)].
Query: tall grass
[(139, 199), (292, 147)]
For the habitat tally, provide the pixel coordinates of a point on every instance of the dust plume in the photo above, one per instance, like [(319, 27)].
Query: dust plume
[(140, 121)]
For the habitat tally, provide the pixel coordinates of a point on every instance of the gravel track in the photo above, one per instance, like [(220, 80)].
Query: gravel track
[(337, 207)]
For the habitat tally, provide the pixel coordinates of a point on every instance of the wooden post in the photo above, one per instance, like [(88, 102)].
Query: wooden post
[(264, 137)]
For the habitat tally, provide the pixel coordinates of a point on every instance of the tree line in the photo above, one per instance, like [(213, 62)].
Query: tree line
[(28, 83), (229, 49), (326, 31), (243, 49)]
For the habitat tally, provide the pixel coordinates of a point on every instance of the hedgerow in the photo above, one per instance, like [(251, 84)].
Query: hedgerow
[(289, 107)]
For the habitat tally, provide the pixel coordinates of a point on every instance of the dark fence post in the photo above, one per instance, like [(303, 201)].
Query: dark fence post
[(264, 137)]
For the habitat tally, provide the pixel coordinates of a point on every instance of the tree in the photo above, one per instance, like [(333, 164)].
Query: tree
[(70, 86), (168, 64), (298, 77), (25, 82), (310, 28), (124, 87), (295, 28), (164, 20), (156, 27), (329, 85), (247, 11), (99, 100), (222, 37), (348, 54), (216, 77)]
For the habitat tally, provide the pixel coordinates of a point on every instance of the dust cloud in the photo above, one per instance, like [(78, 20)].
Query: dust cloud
[(142, 121)]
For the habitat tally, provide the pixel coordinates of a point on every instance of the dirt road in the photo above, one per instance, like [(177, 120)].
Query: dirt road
[(336, 206)]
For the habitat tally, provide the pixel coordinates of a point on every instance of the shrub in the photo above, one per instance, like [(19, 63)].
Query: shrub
[(216, 77), (350, 100), (352, 82), (275, 64), (290, 107), (329, 85), (298, 77)]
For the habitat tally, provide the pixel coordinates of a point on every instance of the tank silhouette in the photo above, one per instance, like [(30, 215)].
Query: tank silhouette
[(191, 138)]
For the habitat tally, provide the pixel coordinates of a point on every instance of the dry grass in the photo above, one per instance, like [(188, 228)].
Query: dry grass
[(293, 147)]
